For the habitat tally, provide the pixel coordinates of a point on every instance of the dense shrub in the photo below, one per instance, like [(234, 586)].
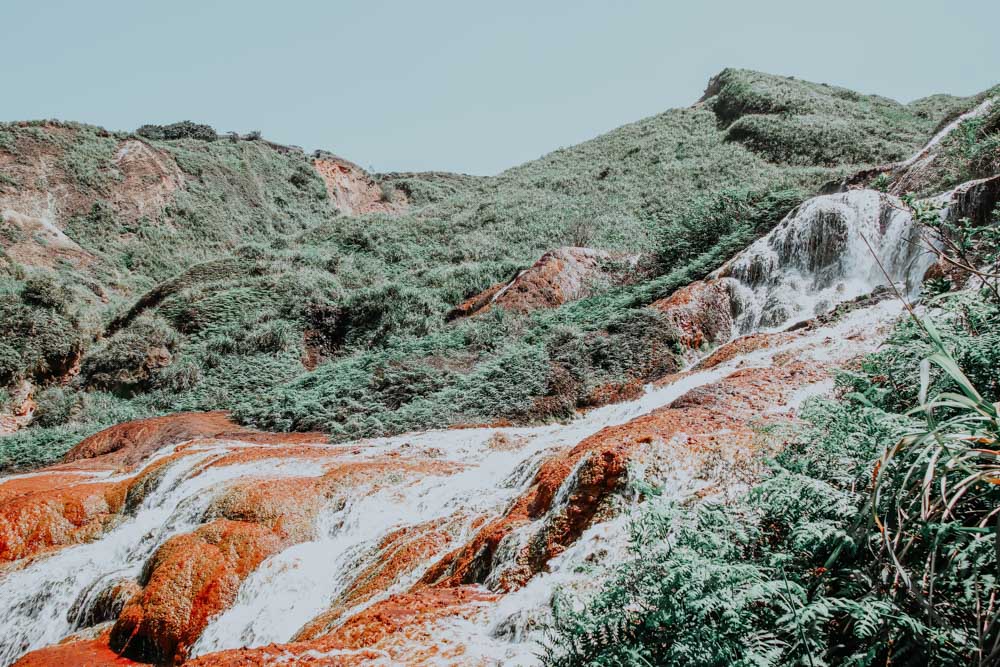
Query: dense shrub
[(45, 291), (130, 357), (185, 129)]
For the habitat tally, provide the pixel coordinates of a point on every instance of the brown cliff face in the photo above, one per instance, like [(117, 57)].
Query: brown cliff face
[(353, 191)]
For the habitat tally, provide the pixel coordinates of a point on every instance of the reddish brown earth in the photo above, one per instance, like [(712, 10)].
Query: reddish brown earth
[(701, 312), (559, 276), (47, 195), (76, 653), (195, 575), (353, 191)]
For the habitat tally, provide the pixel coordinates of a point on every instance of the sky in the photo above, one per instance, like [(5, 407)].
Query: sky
[(464, 86)]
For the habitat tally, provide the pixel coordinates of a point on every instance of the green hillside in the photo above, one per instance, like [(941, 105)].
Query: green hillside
[(249, 292)]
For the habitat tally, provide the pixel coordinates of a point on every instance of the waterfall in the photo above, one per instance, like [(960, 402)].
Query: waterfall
[(39, 602), (820, 255)]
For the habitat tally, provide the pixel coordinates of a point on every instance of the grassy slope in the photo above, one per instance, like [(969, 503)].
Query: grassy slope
[(252, 265)]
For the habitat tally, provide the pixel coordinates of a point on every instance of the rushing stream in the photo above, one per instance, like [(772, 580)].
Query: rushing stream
[(817, 257)]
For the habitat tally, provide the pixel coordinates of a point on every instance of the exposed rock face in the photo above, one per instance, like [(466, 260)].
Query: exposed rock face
[(400, 630), (559, 276), (47, 196), (125, 445), (192, 578), (701, 311), (148, 180), (39, 513), (93, 652), (353, 191)]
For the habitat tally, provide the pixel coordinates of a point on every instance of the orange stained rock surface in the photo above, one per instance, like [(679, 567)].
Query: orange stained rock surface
[(191, 578), (400, 629), (559, 276), (701, 312), (61, 505), (125, 445), (399, 552), (742, 345), (76, 653)]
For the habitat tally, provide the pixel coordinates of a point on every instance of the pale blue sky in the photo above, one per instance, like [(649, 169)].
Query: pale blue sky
[(462, 86)]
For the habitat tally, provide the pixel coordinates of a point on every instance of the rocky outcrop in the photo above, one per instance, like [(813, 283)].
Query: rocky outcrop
[(190, 579), (50, 510), (353, 191), (47, 195), (701, 311), (559, 276)]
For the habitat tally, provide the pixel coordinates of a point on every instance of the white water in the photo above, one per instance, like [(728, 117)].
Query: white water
[(821, 255), (979, 110), (36, 600), (813, 260)]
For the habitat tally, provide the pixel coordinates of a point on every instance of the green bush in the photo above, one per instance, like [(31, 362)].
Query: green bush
[(45, 291), (185, 129), (130, 357)]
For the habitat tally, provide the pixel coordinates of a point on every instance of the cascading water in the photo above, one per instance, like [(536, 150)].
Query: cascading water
[(829, 250), (816, 258), (38, 601)]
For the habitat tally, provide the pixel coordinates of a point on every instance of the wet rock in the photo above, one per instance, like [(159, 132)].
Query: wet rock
[(46, 511), (103, 601), (188, 580), (93, 652), (398, 630)]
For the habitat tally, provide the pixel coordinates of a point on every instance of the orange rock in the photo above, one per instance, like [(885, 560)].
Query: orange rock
[(400, 628), (127, 444), (559, 276), (701, 311), (45, 511), (400, 551), (76, 653), (190, 579)]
